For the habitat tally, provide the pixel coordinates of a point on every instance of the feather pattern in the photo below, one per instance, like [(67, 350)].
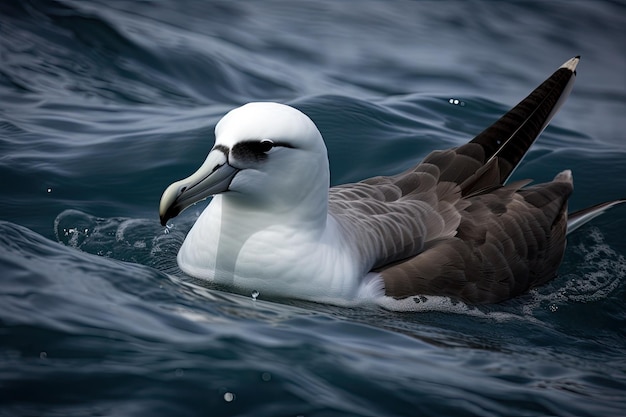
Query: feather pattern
[(449, 226)]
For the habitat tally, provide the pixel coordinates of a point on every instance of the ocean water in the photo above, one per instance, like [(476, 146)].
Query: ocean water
[(105, 103)]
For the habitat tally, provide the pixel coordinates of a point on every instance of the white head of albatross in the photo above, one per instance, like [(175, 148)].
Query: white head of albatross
[(269, 157)]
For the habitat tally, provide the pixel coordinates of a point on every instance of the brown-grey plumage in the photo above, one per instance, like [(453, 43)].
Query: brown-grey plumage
[(450, 227)]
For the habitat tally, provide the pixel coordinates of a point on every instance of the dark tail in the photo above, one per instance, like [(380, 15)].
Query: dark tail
[(580, 217)]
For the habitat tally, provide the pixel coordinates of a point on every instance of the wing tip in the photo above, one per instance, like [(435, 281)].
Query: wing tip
[(571, 64)]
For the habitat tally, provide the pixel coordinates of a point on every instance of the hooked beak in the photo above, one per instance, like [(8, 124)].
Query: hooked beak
[(213, 177)]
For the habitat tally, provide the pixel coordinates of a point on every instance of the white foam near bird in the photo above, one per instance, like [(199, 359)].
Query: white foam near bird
[(447, 227)]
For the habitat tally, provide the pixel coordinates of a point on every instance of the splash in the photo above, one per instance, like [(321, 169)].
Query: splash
[(428, 304), (594, 276), (600, 273), (133, 240), (73, 228)]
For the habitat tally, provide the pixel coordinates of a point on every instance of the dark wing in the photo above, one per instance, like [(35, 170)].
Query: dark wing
[(421, 229), (509, 240)]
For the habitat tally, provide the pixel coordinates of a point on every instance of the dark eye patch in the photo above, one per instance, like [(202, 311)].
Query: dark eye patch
[(254, 150)]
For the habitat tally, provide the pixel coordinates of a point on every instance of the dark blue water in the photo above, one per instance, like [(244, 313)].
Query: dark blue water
[(104, 103)]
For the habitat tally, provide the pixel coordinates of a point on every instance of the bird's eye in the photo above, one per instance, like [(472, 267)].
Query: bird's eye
[(266, 145)]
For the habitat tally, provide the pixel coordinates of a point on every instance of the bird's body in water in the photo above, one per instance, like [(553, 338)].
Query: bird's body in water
[(450, 226)]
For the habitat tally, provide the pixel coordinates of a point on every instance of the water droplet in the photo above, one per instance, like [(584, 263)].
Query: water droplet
[(229, 396), (266, 376), (456, 102), (180, 372), (43, 355), (255, 294)]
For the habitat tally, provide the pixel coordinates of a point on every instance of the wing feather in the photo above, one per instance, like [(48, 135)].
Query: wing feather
[(508, 241), (450, 227)]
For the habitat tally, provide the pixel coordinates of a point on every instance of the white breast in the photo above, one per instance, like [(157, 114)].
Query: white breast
[(283, 259)]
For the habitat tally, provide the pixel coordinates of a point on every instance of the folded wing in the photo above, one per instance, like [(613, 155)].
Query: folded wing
[(451, 227)]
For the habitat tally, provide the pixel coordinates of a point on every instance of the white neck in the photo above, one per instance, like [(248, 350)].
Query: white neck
[(282, 242)]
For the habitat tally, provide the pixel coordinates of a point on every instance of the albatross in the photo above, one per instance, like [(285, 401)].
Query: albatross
[(451, 226)]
